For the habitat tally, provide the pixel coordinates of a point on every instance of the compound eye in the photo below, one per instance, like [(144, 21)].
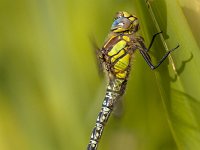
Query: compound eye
[(126, 23), (115, 23), (120, 24)]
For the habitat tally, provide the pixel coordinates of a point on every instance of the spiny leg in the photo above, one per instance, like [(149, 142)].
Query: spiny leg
[(141, 41), (152, 40), (148, 58)]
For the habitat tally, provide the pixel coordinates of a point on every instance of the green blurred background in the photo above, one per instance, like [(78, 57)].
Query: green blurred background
[(50, 90)]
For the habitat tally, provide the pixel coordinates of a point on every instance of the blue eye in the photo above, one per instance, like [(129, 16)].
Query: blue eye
[(116, 22)]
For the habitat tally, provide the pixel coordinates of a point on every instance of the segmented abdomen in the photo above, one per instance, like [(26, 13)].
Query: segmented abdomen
[(114, 91)]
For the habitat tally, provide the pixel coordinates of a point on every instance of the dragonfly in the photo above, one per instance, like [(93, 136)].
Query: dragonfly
[(116, 57)]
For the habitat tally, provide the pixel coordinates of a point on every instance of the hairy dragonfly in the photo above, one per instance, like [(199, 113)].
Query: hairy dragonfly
[(116, 56)]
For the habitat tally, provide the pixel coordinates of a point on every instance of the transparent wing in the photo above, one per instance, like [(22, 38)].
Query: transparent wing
[(98, 55)]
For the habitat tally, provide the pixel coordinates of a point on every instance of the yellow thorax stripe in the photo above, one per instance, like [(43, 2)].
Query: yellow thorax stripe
[(117, 55), (119, 46)]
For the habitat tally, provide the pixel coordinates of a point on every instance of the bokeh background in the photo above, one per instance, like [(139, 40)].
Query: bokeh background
[(50, 89)]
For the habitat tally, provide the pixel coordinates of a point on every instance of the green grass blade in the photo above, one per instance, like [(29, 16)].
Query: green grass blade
[(179, 83)]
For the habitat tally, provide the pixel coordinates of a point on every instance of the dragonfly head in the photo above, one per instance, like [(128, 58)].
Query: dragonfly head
[(124, 21)]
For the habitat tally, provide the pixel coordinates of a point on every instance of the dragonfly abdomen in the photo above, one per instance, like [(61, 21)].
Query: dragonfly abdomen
[(113, 92)]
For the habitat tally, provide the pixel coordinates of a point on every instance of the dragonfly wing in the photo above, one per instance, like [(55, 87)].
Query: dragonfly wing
[(98, 55), (119, 108)]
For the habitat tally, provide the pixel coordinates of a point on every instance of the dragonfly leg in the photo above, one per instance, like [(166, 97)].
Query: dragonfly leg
[(152, 40), (148, 58)]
